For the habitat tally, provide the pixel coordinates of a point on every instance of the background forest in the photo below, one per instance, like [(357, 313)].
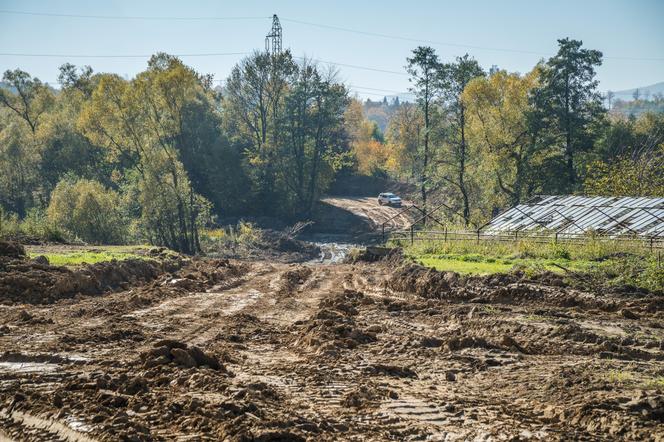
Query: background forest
[(155, 158)]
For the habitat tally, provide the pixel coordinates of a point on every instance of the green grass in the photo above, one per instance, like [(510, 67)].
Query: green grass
[(475, 264), (91, 256), (464, 267), (600, 261)]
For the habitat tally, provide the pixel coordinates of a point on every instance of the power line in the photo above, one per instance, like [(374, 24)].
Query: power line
[(307, 23), (354, 66), (440, 43), (375, 89), (213, 54), (397, 37), (127, 17)]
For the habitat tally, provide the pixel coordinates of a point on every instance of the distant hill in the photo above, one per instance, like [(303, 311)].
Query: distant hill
[(381, 111), (629, 102), (645, 92)]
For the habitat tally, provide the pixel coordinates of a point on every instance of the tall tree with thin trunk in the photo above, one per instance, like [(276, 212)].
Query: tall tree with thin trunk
[(424, 68), (453, 78)]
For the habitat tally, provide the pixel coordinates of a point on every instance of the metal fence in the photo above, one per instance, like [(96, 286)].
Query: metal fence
[(412, 235)]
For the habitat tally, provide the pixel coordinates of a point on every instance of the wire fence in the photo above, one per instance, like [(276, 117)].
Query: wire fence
[(412, 235)]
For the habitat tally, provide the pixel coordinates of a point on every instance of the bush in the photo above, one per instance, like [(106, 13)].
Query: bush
[(35, 225), (87, 210), (171, 213)]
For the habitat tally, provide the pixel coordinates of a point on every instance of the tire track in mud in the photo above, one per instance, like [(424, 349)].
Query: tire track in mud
[(34, 428), (277, 324)]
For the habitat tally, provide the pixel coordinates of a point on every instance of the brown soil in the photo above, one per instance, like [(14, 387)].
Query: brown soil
[(221, 350), (271, 245), (37, 282), (347, 214)]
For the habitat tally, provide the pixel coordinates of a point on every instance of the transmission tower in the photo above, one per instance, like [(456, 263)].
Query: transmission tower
[(273, 39)]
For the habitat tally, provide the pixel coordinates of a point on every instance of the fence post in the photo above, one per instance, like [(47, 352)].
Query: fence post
[(478, 236), (651, 243), (556, 238), (445, 233), (412, 234)]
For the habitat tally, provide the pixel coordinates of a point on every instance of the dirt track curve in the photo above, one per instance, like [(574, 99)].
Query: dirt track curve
[(276, 352), (369, 209)]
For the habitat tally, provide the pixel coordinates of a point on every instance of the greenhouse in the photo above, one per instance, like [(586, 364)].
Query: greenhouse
[(573, 216)]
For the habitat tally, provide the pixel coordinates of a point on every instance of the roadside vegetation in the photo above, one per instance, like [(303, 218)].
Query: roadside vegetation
[(594, 262)]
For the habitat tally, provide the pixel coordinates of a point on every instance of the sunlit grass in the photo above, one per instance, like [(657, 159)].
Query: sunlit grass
[(476, 264), (87, 256), (600, 261)]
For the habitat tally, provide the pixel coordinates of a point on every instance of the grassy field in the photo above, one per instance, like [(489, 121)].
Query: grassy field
[(602, 260), (77, 255)]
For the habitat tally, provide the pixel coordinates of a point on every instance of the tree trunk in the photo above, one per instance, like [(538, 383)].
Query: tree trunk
[(462, 169), (425, 164)]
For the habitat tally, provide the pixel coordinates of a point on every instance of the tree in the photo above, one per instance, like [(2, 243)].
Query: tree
[(643, 176), (142, 122), (497, 114), (19, 164), (404, 135), (254, 99), (453, 79), (312, 141), (424, 68), (30, 99), (369, 150), (288, 118), (88, 210), (568, 104), (629, 158)]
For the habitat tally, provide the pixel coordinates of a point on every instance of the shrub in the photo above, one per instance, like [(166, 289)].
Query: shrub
[(87, 210)]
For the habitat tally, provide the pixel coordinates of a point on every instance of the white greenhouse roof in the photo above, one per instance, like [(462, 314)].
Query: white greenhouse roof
[(574, 215)]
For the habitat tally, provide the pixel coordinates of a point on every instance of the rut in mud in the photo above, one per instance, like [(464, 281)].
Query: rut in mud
[(264, 351)]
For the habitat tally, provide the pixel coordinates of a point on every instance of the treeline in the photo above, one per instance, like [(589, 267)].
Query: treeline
[(110, 160), (154, 158), (482, 141), (638, 106)]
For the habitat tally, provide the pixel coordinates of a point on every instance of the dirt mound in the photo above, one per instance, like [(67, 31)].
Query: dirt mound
[(175, 352), (374, 254), (271, 245), (423, 281), (36, 283), (10, 249), (292, 279), (333, 327)]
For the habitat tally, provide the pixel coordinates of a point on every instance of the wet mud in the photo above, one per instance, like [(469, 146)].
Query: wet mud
[(268, 351)]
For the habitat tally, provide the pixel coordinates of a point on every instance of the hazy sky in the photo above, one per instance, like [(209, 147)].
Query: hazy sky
[(511, 34)]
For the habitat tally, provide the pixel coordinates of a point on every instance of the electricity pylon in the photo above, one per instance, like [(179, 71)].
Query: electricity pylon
[(273, 39)]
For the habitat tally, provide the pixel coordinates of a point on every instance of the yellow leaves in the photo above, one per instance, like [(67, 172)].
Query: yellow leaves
[(497, 110), (371, 156)]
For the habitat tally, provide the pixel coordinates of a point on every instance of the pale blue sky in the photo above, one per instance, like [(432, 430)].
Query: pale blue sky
[(629, 32)]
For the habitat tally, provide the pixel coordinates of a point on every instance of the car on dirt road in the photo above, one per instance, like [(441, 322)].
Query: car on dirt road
[(389, 199)]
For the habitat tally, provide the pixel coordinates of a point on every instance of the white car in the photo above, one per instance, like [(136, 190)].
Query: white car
[(389, 199)]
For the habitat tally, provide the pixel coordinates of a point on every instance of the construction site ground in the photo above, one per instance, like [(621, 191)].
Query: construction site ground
[(252, 350)]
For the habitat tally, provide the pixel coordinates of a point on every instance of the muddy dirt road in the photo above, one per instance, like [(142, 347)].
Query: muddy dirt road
[(277, 352), (375, 214)]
